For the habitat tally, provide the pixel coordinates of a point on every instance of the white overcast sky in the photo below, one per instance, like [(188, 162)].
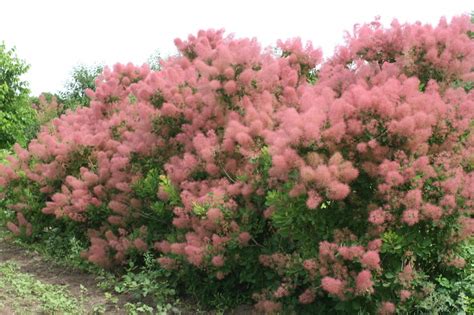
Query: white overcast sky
[(54, 36)]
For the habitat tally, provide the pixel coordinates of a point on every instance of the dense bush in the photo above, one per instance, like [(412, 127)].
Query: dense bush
[(316, 187), (17, 118)]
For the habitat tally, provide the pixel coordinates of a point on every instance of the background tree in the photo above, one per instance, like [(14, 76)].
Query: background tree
[(154, 60), (17, 118), (82, 77)]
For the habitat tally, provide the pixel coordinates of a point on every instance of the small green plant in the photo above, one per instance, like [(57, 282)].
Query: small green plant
[(138, 308), (3, 155), (146, 282), (149, 286)]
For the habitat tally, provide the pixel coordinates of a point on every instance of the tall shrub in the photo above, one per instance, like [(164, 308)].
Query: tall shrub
[(346, 188)]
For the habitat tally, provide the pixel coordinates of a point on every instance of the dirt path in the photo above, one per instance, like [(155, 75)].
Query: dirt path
[(81, 287)]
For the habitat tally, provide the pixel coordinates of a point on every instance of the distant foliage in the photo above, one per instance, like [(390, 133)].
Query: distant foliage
[(347, 189), (82, 78), (154, 61), (16, 115)]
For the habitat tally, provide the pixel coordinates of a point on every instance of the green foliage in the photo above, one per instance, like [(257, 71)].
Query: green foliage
[(153, 209), (150, 289), (146, 282), (451, 293), (11, 70), (3, 154), (82, 77), (17, 118)]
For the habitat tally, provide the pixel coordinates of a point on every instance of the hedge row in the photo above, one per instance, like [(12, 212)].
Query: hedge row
[(307, 185)]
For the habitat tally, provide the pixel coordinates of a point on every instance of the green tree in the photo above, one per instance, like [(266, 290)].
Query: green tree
[(82, 78), (17, 118)]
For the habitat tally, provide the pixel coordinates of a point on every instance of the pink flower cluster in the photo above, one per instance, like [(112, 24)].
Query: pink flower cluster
[(23, 226)]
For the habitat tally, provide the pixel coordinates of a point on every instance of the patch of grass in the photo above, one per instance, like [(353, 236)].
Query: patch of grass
[(26, 295)]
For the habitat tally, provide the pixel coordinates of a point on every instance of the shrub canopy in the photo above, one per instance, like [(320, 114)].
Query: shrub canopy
[(346, 184)]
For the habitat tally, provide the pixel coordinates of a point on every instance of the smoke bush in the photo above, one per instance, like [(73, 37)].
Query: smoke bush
[(332, 177)]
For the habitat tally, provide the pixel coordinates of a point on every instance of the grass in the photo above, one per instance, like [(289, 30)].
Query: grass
[(22, 293)]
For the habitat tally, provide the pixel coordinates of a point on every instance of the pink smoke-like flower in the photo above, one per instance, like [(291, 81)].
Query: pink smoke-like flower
[(411, 216), (338, 191), (364, 282), (307, 297), (433, 212), (13, 228), (167, 263), (282, 291), (377, 216), (218, 261), (386, 308), (215, 214), (332, 286), (407, 275), (244, 238), (268, 307), (371, 259), (404, 295), (140, 244), (375, 245), (457, 262)]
